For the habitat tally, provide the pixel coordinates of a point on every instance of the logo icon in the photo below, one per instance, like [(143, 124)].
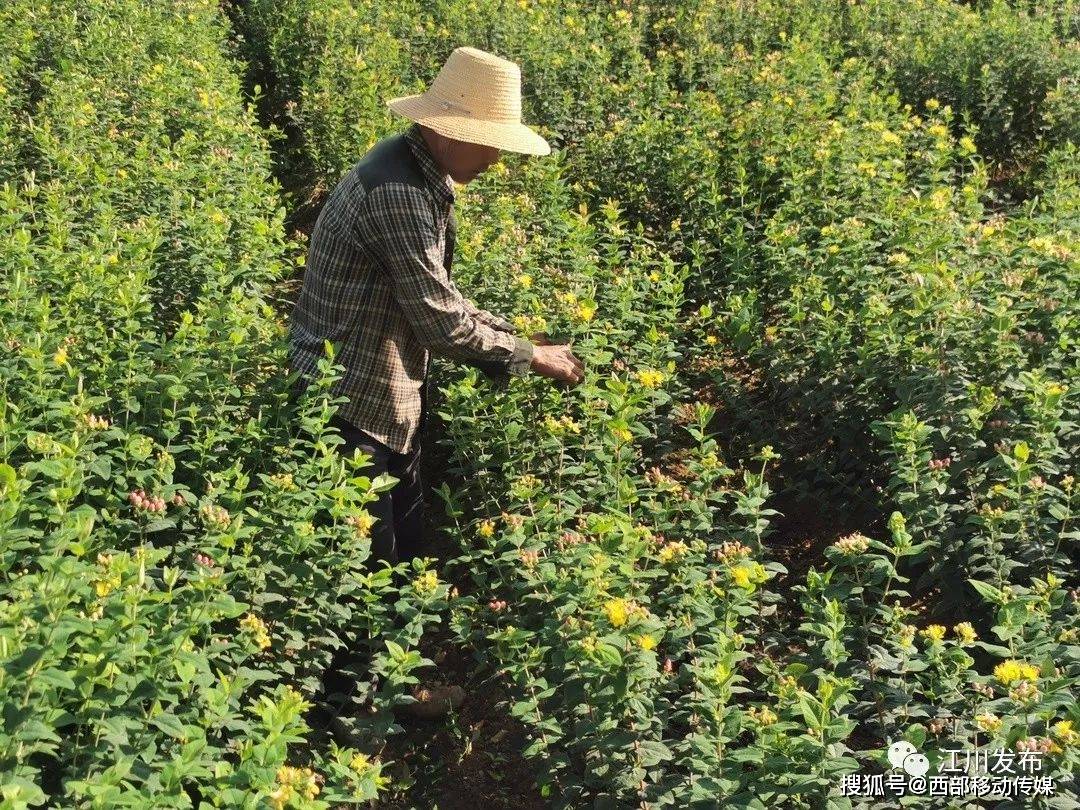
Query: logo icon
[(903, 754)]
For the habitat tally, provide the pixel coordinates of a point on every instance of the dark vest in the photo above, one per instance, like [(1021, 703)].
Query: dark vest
[(391, 160)]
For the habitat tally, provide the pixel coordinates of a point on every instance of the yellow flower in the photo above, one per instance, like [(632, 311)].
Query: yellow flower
[(907, 635), (932, 104), (360, 764), (486, 529), (1064, 730), (103, 587), (764, 716), (361, 523), (988, 722), (965, 633), (426, 583), (291, 781), (585, 312), (617, 611), (1012, 670), (934, 632), (672, 551), (939, 198), (622, 434), (646, 642), (525, 280), (741, 575), (710, 340), (283, 481), (254, 625), (61, 357), (650, 378)]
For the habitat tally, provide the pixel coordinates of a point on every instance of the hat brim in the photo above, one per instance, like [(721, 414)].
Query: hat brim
[(514, 137)]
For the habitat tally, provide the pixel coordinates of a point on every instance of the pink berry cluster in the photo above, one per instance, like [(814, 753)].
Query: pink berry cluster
[(204, 559), (569, 538), (147, 503), (997, 424), (215, 515), (940, 463), (731, 550), (1043, 745), (497, 605)]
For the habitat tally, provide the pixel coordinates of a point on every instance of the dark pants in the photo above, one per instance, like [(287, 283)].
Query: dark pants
[(398, 533), (396, 536)]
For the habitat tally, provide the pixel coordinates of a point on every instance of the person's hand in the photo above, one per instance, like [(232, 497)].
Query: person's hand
[(558, 363)]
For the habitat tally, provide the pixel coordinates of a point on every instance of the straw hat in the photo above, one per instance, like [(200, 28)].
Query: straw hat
[(475, 98)]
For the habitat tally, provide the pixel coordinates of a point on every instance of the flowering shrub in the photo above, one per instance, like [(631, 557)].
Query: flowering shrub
[(178, 562), (782, 183), (742, 187)]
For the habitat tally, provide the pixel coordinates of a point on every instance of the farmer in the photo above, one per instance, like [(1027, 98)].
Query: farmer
[(377, 284)]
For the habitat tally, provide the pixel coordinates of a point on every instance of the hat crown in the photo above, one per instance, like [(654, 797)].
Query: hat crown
[(480, 85)]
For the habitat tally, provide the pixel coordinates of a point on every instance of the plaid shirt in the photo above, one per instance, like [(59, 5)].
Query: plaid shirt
[(377, 285)]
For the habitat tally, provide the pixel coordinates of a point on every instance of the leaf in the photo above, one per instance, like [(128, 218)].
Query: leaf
[(26, 660), (653, 752), (56, 678), (749, 754), (916, 735), (608, 654), (170, 724), (383, 483), (987, 591)]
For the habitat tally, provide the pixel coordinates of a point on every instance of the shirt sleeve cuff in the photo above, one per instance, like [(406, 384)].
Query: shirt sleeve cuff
[(521, 361)]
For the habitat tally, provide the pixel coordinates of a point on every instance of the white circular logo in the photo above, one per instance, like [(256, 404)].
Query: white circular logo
[(899, 750), (916, 764)]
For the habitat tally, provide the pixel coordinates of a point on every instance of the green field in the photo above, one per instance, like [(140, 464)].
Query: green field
[(821, 259)]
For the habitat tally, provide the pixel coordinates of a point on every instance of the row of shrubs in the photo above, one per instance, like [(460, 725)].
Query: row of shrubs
[(628, 604), (181, 550), (761, 170)]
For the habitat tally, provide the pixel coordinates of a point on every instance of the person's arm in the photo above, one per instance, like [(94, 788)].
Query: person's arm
[(402, 235), (485, 317)]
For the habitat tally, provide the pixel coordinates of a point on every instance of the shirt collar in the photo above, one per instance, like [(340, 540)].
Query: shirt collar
[(440, 183)]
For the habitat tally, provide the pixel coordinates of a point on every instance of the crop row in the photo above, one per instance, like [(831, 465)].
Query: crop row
[(622, 591), (180, 548)]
